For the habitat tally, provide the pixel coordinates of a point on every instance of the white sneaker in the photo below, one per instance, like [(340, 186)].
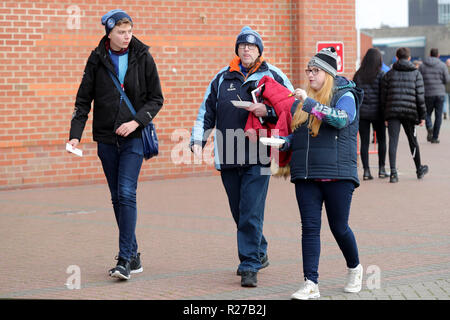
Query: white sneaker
[(309, 290), (354, 279)]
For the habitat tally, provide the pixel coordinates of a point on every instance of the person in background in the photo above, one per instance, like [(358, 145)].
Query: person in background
[(435, 76), (417, 63), (115, 129), (368, 77), (447, 90), (241, 162), (323, 166), (403, 104)]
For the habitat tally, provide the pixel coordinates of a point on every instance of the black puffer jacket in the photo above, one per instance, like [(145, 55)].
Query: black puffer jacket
[(402, 93), (141, 84), (370, 107)]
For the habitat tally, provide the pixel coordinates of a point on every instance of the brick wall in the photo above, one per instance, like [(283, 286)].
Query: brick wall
[(44, 45), (366, 43)]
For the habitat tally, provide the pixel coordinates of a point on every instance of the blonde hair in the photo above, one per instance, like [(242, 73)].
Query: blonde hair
[(124, 21), (323, 96)]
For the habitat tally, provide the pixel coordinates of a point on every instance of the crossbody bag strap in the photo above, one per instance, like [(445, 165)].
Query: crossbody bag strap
[(122, 92)]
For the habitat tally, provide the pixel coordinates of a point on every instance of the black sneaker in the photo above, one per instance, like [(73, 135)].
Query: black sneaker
[(122, 270), (135, 264), (435, 140), (382, 173), (248, 279), (393, 178), (423, 170), (429, 134), (264, 264)]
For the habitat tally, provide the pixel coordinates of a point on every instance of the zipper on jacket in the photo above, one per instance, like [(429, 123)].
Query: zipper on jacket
[(307, 155)]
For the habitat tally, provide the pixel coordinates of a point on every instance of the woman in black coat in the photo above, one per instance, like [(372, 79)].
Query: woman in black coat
[(368, 77)]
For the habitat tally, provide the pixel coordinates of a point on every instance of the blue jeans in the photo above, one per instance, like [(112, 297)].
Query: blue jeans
[(337, 196), (436, 104), (121, 164), (246, 189)]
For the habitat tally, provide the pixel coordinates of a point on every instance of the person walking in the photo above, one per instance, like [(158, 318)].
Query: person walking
[(117, 132), (403, 104), (323, 166), (241, 162), (447, 90), (368, 77), (435, 76)]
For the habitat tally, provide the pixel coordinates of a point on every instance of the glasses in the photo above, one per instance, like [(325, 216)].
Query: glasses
[(314, 71), (249, 46)]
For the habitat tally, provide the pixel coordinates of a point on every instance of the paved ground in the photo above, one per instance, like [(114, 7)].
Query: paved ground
[(188, 243)]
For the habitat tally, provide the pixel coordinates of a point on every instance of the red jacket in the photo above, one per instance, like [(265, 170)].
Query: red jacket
[(277, 96)]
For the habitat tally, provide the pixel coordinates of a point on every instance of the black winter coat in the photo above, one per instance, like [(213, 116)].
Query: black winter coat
[(141, 84), (402, 93), (370, 107)]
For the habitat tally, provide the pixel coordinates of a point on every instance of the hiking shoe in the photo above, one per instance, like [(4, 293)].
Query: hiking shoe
[(309, 290), (248, 279), (122, 270), (264, 264), (393, 178), (135, 264), (382, 173), (367, 175), (354, 279), (423, 170), (429, 134)]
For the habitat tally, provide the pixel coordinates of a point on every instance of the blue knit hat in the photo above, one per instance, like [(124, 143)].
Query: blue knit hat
[(110, 19), (248, 35)]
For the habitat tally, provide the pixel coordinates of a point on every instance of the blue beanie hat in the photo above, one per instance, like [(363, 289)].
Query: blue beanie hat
[(248, 35), (110, 19)]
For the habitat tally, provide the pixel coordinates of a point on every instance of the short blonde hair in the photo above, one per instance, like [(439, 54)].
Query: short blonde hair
[(124, 21)]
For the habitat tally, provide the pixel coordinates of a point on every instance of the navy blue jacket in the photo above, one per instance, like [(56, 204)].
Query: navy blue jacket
[(332, 154), (231, 148)]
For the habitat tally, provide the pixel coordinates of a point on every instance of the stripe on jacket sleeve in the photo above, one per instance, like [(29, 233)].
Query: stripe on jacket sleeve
[(199, 128), (339, 117)]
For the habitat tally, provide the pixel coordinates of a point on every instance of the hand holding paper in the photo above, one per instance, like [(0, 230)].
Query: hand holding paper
[(74, 150)]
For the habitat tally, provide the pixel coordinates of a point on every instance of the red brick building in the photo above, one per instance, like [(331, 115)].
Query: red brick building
[(44, 45)]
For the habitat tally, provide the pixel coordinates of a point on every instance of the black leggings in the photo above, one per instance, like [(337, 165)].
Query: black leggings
[(364, 133), (394, 132)]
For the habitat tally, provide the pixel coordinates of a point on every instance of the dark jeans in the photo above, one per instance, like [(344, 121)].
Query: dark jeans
[(121, 164), (435, 104), (246, 189), (337, 196), (411, 134), (364, 133)]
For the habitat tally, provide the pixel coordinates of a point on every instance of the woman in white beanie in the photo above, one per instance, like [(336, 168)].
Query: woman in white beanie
[(324, 165)]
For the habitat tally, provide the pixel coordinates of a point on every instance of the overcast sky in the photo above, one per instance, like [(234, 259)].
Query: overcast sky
[(372, 13)]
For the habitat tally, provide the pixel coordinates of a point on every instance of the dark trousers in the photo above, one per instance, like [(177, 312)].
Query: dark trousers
[(337, 197), (121, 164), (436, 104), (247, 190), (411, 134), (364, 133)]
